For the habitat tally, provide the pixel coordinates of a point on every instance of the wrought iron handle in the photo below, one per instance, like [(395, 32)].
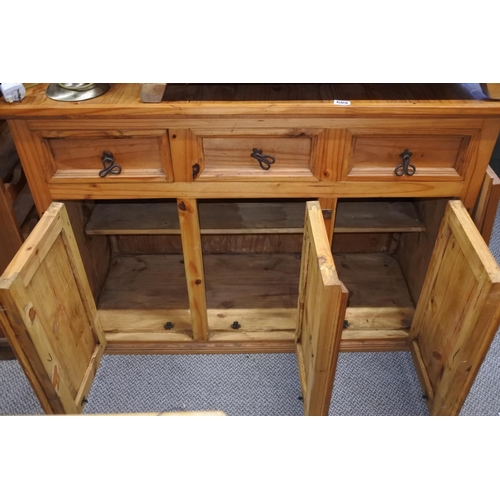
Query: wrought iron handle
[(109, 165), (405, 168), (265, 161)]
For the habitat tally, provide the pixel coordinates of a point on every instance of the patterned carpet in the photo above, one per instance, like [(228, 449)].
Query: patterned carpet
[(257, 384)]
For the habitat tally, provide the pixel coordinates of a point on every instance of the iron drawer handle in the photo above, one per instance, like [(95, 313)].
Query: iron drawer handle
[(265, 161), (108, 162), (405, 168)]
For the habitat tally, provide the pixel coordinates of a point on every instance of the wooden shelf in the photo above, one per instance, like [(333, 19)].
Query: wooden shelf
[(260, 292), (379, 299), (280, 217), (378, 216)]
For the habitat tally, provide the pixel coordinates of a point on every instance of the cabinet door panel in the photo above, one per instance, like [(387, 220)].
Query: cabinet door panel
[(49, 315), (458, 312), (322, 306)]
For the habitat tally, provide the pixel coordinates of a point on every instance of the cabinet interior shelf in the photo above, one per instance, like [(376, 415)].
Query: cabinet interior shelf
[(277, 217), (260, 292)]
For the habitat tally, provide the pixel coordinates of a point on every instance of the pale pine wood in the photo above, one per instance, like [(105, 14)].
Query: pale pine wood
[(377, 216), (373, 340), (249, 243), (50, 316), (81, 158), (415, 249), (329, 208), (186, 152), (123, 100), (193, 262), (458, 312), (10, 232), (436, 156), (258, 291), (378, 295), (229, 158), (36, 162), (478, 157), (254, 217), (94, 251), (142, 293), (130, 188), (211, 244), (322, 302), (487, 204)]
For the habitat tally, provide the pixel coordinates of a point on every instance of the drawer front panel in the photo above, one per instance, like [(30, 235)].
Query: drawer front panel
[(139, 158), (285, 155), (434, 157), (231, 157)]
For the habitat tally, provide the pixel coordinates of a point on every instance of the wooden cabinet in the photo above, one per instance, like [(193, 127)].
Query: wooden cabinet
[(198, 247)]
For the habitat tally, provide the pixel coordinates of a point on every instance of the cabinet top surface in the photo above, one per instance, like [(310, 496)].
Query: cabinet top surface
[(204, 100)]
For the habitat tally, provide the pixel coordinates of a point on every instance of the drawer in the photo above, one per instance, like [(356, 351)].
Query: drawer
[(435, 157), (258, 155), (141, 155)]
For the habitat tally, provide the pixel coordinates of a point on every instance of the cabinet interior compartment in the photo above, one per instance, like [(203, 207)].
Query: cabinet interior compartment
[(384, 275), (251, 258), (138, 294)]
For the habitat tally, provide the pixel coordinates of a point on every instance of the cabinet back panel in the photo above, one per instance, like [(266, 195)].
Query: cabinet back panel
[(415, 249)]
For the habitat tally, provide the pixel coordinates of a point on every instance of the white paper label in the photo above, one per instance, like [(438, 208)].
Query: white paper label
[(341, 103)]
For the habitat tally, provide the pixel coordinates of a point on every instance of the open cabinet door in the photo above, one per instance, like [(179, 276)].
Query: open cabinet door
[(49, 315), (322, 306), (458, 312)]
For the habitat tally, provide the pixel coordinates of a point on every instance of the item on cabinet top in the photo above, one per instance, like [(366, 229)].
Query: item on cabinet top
[(492, 90), (71, 92), (13, 92)]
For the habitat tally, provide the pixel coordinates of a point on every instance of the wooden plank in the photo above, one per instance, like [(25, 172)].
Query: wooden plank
[(321, 305), (123, 100), (373, 340), (9, 229), (49, 315), (375, 155), (479, 159), (378, 296), (230, 157), (140, 188), (94, 251), (257, 291), (143, 293), (458, 312), (36, 162), (193, 262), (487, 204), (377, 216), (253, 217), (138, 345), (138, 156), (415, 249)]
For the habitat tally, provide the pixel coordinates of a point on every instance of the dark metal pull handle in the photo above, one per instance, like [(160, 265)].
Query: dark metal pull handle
[(405, 168), (265, 161), (109, 165), (196, 170)]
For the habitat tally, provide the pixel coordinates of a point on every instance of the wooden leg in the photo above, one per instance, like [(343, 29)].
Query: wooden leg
[(193, 262)]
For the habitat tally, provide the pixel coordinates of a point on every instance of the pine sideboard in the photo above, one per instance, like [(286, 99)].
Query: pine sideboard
[(254, 219)]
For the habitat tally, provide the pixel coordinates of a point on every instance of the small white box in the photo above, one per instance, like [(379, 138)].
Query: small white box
[(13, 92)]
